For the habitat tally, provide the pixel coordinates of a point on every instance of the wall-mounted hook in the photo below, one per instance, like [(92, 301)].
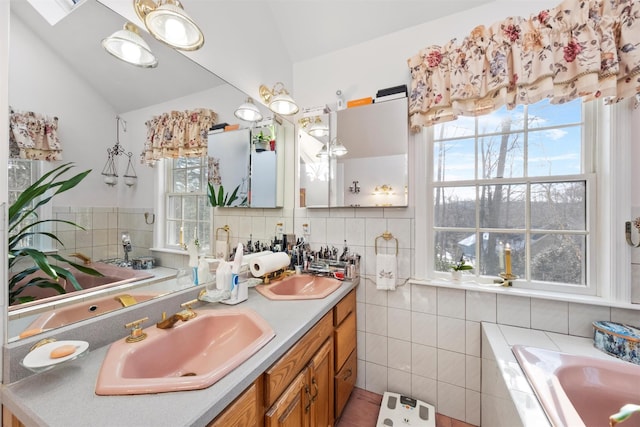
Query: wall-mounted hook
[(146, 218), (627, 232)]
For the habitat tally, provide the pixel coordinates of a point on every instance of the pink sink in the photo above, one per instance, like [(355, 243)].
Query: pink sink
[(300, 286), (192, 355)]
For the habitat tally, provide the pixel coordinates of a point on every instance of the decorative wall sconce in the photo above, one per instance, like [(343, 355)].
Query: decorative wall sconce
[(127, 45), (110, 170), (248, 112), (317, 128), (354, 188), (278, 99), (167, 21), (627, 231), (332, 149), (383, 190)]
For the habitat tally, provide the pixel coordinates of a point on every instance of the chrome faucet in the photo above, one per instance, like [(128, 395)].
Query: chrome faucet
[(85, 259), (184, 315)]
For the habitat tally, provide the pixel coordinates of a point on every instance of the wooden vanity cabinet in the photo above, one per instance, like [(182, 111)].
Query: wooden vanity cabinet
[(245, 411), (345, 337)]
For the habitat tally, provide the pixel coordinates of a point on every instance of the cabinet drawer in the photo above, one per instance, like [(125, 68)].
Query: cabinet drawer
[(345, 340), (241, 412), (281, 373), (344, 381), (344, 307)]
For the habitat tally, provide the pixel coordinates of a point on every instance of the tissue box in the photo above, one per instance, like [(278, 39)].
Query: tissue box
[(618, 340)]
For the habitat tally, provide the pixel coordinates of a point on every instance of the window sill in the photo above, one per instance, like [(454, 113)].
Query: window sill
[(170, 251), (470, 285)]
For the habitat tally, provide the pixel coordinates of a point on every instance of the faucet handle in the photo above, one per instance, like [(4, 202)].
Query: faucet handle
[(137, 334), (188, 304)]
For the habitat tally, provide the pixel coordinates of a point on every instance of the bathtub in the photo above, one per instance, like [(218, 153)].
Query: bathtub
[(112, 276), (577, 391)]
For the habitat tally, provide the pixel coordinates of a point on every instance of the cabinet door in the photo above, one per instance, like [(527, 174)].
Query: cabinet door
[(243, 412), (293, 407), (321, 386), (344, 382)]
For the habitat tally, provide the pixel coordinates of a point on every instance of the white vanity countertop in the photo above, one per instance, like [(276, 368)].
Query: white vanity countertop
[(65, 396)]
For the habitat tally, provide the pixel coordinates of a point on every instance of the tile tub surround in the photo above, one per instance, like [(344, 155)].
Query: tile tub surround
[(507, 398), (38, 398)]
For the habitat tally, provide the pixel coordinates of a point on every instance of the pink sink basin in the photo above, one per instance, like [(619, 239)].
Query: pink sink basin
[(300, 286), (192, 355)]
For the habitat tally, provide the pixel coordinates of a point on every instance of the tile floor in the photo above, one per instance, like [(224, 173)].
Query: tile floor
[(362, 411)]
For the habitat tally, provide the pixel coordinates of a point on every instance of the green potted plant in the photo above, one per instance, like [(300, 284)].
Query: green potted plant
[(23, 223), (218, 198), (458, 267), (261, 141)]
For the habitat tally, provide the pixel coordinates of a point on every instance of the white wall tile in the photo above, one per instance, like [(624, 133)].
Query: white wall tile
[(376, 319), (425, 389), (514, 310), (374, 295), (336, 233), (424, 361), (361, 323), (424, 299), (376, 378), (472, 410), (399, 355), (451, 401), (361, 346), (451, 302), (361, 380), (451, 334), (399, 382), (473, 339), (424, 329), (481, 306), (376, 349), (374, 227), (401, 230), (622, 315), (451, 367), (582, 316), (550, 315), (399, 324), (473, 373), (400, 298), (355, 232)]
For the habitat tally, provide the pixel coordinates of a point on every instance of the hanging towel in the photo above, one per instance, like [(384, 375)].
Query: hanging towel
[(222, 250), (386, 267)]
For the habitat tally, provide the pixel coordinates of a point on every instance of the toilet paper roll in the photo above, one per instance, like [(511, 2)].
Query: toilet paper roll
[(268, 263), (222, 250)]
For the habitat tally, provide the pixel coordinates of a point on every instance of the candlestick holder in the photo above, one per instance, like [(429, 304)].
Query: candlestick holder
[(507, 278)]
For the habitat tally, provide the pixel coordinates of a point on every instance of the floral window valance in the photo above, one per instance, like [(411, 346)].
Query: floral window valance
[(33, 136), (178, 134), (585, 49)]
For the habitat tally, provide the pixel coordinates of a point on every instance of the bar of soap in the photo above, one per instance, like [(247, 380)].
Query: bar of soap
[(62, 351), (30, 333)]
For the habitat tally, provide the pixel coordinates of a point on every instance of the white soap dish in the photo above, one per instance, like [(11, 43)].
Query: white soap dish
[(39, 358)]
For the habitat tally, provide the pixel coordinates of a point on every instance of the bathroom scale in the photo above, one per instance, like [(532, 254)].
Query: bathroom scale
[(398, 410)]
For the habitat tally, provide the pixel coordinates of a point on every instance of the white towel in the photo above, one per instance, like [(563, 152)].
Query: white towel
[(222, 250), (386, 267)]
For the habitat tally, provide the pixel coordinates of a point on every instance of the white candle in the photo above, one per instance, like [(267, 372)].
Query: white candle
[(507, 259), (181, 236), (501, 255)]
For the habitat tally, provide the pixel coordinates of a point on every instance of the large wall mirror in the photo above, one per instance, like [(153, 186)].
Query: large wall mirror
[(361, 162), (62, 70)]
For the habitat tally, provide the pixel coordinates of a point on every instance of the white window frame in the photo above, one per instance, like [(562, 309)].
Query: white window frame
[(609, 258)]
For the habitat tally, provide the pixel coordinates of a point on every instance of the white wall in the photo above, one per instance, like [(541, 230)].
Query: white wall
[(86, 125), (4, 154)]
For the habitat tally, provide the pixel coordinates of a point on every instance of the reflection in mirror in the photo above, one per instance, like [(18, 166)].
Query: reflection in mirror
[(63, 70), (374, 171), (362, 162)]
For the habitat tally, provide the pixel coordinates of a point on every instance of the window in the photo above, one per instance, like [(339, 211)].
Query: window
[(187, 205), (521, 179), (21, 174)]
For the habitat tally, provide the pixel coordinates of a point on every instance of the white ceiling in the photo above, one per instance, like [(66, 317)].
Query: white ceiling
[(296, 29)]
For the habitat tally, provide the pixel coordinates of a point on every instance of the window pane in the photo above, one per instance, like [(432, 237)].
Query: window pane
[(492, 255), (174, 210), (555, 152), (204, 209), (501, 156), (559, 206), (203, 235), (462, 126), (450, 246), (558, 258), (455, 207), (190, 205), (544, 114), (173, 232), (179, 181), (502, 121), (194, 179), (452, 160), (502, 206)]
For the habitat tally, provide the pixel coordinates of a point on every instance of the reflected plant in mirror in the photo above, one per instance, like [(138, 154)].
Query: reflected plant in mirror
[(25, 224)]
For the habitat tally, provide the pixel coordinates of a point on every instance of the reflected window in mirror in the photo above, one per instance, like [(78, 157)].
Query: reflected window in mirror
[(21, 174), (188, 211)]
